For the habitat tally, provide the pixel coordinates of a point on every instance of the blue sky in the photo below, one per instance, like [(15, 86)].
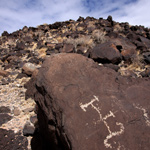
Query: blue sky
[(15, 14)]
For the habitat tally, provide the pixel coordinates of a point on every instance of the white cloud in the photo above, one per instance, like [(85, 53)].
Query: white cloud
[(14, 14), (137, 13)]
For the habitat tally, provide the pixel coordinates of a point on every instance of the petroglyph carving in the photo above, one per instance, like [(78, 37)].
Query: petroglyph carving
[(111, 134), (145, 114)]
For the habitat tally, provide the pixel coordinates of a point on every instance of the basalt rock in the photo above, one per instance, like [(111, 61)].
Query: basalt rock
[(84, 106), (10, 140), (106, 53)]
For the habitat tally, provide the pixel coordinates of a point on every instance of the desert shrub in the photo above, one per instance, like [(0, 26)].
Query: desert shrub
[(85, 41), (99, 36), (137, 61)]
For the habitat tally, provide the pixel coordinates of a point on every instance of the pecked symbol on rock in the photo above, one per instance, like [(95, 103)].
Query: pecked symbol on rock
[(104, 120), (84, 106)]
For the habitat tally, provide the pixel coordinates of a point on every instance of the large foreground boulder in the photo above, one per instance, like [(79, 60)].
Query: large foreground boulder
[(84, 106)]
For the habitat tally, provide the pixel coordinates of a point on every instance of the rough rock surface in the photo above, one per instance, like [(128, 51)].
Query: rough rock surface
[(31, 45), (11, 141), (105, 53), (82, 105)]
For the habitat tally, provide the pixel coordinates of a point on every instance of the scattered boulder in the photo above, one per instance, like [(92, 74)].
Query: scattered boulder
[(4, 118), (128, 54), (68, 48), (147, 57), (106, 53), (29, 68), (145, 73), (5, 33), (4, 109), (16, 111), (20, 45), (82, 105), (4, 73), (33, 119), (28, 129), (4, 81), (112, 66)]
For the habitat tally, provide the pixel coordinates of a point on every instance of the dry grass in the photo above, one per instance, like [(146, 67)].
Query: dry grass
[(137, 61), (99, 36), (85, 41), (136, 66)]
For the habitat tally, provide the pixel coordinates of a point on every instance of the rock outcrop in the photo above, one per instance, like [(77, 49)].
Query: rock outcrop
[(82, 105)]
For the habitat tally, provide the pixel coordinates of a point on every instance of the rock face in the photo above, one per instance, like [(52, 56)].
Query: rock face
[(10, 140), (106, 52), (84, 106)]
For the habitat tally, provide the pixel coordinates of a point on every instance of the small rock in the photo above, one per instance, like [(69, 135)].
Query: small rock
[(68, 48), (16, 111), (33, 119), (112, 66), (27, 110), (145, 73), (4, 73), (4, 109), (4, 118), (4, 81), (28, 129), (29, 68), (21, 75), (147, 57)]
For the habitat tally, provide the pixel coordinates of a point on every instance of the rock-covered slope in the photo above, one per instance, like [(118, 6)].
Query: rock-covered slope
[(123, 48)]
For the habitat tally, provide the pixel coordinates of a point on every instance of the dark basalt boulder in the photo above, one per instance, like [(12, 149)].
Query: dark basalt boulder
[(106, 53), (84, 106), (11, 141), (67, 48)]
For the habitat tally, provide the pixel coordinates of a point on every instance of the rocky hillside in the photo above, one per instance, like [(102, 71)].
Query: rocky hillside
[(121, 54)]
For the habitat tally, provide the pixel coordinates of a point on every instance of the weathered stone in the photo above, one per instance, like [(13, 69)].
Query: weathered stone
[(68, 48), (128, 54), (27, 110), (145, 73), (4, 81), (20, 45), (124, 42), (21, 75), (85, 106), (28, 129), (33, 119), (4, 109), (4, 118), (12, 141), (109, 18), (4, 73), (106, 53), (29, 68), (16, 111), (112, 66), (80, 19), (30, 85), (145, 41), (147, 57), (5, 33)]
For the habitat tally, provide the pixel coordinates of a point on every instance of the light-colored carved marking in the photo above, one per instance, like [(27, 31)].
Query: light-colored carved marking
[(90, 103), (114, 134), (103, 119), (145, 114), (109, 115), (121, 147)]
